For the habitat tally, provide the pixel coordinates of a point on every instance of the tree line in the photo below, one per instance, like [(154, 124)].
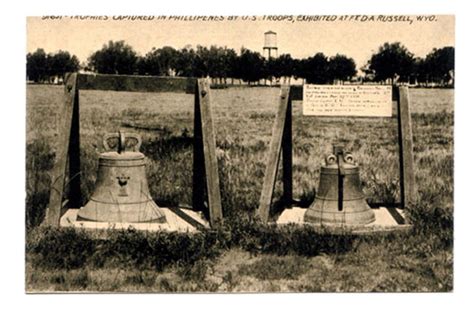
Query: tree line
[(392, 62), (219, 63), (42, 67)]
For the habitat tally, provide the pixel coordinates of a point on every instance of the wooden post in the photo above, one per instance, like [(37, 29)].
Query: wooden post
[(199, 182), (53, 213), (210, 157), (75, 195), (287, 156), (405, 137), (273, 156)]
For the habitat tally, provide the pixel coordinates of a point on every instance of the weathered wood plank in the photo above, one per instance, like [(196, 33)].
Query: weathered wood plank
[(75, 195), (273, 156), (405, 136), (287, 156), (199, 183), (210, 156), (59, 171), (135, 83)]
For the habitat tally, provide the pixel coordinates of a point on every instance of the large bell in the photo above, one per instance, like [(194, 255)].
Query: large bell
[(339, 199), (121, 192)]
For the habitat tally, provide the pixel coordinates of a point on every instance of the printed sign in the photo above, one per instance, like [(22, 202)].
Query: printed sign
[(347, 100)]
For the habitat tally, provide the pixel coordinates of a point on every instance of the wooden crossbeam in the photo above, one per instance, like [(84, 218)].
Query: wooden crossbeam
[(135, 83)]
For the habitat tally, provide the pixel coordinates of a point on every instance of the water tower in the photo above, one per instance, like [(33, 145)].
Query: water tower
[(270, 45)]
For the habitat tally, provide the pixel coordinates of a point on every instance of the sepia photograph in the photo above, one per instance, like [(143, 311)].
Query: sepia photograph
[(239, 153)]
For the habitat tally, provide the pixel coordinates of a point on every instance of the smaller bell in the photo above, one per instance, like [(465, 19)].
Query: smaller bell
[(121, 191), (339, 200)]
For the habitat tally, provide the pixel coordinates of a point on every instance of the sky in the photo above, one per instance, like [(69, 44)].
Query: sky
[(357, 37)]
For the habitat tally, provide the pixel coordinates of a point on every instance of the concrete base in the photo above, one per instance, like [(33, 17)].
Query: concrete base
[(386, 220), (177, 219)]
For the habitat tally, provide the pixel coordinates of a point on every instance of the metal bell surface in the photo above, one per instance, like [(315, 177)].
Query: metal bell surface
[(121, 192), (339, 199)]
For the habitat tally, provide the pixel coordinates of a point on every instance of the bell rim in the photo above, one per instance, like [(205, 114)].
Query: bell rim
[(159, 220)]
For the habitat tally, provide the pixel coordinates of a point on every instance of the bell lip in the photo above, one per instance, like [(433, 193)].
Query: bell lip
[(333, 218), (159, 220), (121, 156), (339, 223)]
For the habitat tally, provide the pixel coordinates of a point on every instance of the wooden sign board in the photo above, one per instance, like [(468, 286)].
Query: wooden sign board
[(347, 100)]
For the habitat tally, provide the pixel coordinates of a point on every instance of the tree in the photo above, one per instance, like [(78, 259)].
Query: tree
[(41, 66), (419, 71), (251, 65), (439, 64), (285, 66), (158, 62), (314, 69), (36, 65), (60, 63), (220, 60), (391, 60), (282, 66), (201, 62), (114, 58), (185, 62), (230, 64), (341, 68)]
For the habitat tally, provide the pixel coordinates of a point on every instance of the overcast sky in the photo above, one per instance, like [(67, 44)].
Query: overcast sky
[(356, 37)]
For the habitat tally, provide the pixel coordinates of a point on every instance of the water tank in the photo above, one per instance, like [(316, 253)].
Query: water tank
[(270, 40)]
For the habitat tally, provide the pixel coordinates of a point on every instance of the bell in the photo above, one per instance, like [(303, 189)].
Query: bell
[(121, 192), (339, 200)]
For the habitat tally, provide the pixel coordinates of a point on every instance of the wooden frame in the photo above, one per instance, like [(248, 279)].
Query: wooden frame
[(205, 173), (281, 143)]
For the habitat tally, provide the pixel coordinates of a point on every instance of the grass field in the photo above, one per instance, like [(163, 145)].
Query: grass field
[(243, 119)]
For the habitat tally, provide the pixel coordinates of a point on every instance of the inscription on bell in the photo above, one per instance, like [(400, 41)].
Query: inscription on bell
[(123, 181)]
